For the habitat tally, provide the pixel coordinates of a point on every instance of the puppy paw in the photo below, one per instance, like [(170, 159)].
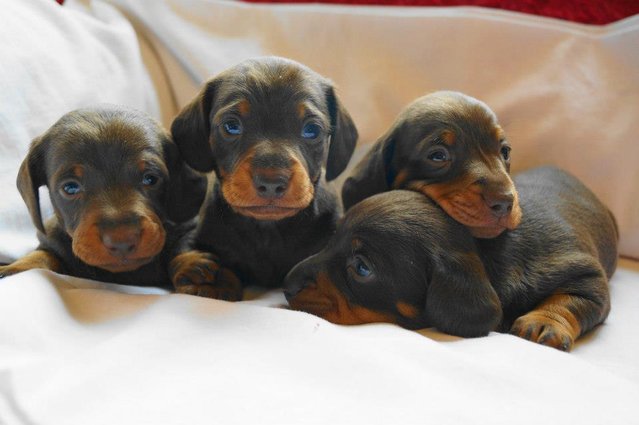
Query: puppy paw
[(199, 273), (33, 260), (10, 269), (545, 328)]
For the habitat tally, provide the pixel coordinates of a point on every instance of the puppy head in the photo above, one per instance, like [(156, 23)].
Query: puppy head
[(268, 127), (398, 258), (114, 177), (450, 147)]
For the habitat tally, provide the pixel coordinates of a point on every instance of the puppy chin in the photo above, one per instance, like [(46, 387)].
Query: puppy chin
[(239, 193), (124, 265), (487, 232), (89, 251), (493, 230), (266, 212), (320, 308)]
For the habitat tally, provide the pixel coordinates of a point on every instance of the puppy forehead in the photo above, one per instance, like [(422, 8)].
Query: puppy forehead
[(112, 146), (387, 218), (468, 119), (273, 84)]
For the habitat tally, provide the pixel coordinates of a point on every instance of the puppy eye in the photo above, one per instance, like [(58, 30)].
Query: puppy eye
[(150, 179), (310, 131), (439, 155), (71, 188), (232, 127), (505, 152), (360, 269)]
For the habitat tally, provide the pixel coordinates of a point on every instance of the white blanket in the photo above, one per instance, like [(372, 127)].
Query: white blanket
[(73, 352), (79, 352)]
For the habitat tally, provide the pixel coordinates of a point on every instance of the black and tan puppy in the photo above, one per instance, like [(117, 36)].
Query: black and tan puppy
[(449, 147), (274, 132), (397, 257), (122, 197)]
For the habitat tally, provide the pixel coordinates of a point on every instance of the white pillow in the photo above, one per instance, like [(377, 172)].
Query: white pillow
[(566, 94), (54, 59)]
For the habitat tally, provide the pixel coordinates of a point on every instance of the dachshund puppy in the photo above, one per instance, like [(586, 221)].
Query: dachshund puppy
[(397, 257), (449, 147), (122, 197), (273, 132)]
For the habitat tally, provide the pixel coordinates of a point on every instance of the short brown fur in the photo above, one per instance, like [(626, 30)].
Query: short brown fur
[(269, 205), (450, 147), (545, 281), (123, 199)]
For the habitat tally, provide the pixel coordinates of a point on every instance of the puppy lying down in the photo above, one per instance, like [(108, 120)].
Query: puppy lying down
[(398, 257)]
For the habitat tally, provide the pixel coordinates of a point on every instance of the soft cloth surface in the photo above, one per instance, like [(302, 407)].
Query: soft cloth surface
[(73, 352), (566, 94)]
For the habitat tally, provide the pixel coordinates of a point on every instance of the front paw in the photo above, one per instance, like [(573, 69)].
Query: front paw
[(545, 328), (11, 269), (34, 260), (200, 273)]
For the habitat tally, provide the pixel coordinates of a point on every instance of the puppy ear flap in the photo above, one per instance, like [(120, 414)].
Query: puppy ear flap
[(372, 174), (460, 299), (191, 129), (186, 187), (343, 136), (31, 176)]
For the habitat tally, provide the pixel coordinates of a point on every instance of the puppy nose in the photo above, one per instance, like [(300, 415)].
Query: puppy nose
[(294, 288), (299, 278), (121, 242), (270, 187), (500, 204)]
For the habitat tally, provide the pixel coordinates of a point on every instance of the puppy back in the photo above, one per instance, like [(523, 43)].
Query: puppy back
[(555, 201)]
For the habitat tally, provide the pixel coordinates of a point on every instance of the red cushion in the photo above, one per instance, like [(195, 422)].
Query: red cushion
[(596, 12)]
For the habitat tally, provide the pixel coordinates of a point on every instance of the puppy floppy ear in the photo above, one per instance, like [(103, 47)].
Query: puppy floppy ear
[(31, 176), (186, 188), (191, 129), (343, 136), (372, 174), (460, 299)]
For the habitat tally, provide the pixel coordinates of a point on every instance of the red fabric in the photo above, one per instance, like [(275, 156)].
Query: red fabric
[(596, 12)]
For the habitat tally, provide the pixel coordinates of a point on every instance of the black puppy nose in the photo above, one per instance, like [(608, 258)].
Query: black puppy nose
[(270, 186), (292, 291), (500, 204), (299, 278), (121, 242)]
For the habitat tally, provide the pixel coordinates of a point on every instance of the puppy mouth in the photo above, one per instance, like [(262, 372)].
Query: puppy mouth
[(468, 207), (268, 192), (483, 227), (125, 264), (479, 219), (317, 307), (267, 212), (487, 232)]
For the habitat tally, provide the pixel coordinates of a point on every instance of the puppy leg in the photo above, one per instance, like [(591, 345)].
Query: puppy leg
[(560, 319), (199, 273), (37, 259)]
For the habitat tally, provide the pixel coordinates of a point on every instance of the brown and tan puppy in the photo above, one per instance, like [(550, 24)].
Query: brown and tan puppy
[(273, 131), (397, 257), (122, 196), (449, 147)]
